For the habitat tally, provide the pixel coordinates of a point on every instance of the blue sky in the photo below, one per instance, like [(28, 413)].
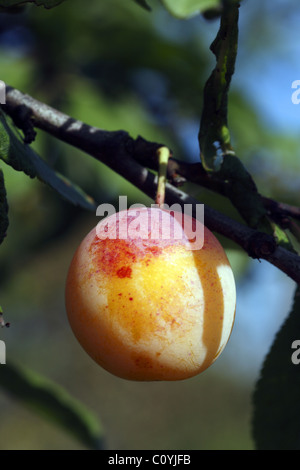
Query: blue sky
[(268, 74), (263, 303)]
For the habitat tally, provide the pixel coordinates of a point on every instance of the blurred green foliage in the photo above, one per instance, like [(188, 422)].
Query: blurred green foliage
[(117, 66)]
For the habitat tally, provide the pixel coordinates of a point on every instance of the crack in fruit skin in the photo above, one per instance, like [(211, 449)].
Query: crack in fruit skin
[(151, 309)]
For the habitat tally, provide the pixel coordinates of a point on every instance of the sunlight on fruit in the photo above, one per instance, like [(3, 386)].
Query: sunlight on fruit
[(151, 307)]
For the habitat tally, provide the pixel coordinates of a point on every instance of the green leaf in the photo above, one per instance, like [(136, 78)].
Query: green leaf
[(217, 155), (22, 157), (3, 210), (52, 402), (282, 237), (276, 414), (44, 3), (184, 9), (13, 152), (293, 234), (214, 136), (68, 190), (143, 4), (242, 192)]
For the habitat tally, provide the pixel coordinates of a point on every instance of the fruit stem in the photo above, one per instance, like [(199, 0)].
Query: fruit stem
[(163, 158)]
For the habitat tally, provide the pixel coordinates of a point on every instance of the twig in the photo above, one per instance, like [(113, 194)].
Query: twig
[(163, 158)]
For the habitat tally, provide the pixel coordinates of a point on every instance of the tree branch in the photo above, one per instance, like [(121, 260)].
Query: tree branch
[(122, 153), (179, 172)]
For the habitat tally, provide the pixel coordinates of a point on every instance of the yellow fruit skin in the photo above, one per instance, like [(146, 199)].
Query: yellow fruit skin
[(148, 312)]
